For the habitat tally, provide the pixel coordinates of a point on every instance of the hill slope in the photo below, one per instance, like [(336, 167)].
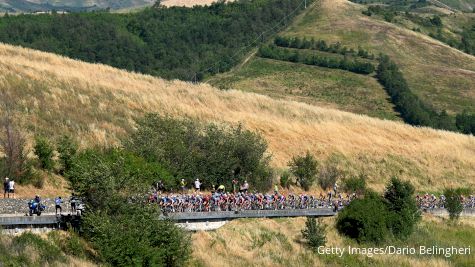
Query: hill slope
[(74, 5), (279, 242), (437, 73), (463, 5), (97, 103)]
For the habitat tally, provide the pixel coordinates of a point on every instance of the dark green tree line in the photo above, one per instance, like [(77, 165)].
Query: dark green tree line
[(321, 45), (274, 52), (413, 110), (175, 42)]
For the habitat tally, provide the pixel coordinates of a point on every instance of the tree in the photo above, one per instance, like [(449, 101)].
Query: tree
[(44, 151), (314, 233), (11, 139), (113, 184), (305, 169), (285, 179), (436, 21), (216, 154), (67, 149), (328, 175), (402, 207), (453, 203), (364, 219), (355, 184)]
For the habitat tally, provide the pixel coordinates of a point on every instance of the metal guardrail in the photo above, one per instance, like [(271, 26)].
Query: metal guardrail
[(7, 221), (29, 220), (229, 215), (48, 219)]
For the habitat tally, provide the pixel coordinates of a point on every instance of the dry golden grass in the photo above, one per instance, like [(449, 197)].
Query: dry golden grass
[(98, 104), (278, 242)]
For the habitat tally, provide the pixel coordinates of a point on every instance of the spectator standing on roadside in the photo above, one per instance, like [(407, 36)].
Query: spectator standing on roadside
[(197, 185), (73, 201), (6, 188), (235, 183), (182, 185), (11, 188), (160, 187), (245, 187), (58, 201)]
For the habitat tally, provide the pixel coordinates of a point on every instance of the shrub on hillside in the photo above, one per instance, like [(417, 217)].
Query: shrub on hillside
[(453, 203), (314, 233), (328, 175), (465, 122), (214, 154), (305, 169), (401, 204), (355, 184), (114, 185), (44, 150), (95, 175), (67, 149), (285, 179), (364, 219), (137, 237), (373, 218), (47, 253)]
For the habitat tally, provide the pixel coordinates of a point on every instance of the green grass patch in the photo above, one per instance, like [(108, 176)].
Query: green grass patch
[(311, 84)]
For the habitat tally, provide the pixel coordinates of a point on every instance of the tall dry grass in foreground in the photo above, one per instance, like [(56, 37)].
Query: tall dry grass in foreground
[(98, 104), (278, 242)]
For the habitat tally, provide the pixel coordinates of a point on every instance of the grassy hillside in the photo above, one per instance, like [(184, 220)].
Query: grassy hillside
[(72, 5), (278, 242), (442, 76), (310, 84), (437, 73), (98, 104), (462, 5), (53, 249)]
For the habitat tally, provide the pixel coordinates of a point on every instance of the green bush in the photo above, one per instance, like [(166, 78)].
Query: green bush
[(72, 244), (403, 211), (136, 237), (94, 175), (328, 175), (45, 152), (113, 184), (373, 218), (47, 252), (285, 179), (214, 154), (355, 184), (305, 169), (453, 203), (314, 233), (364, 219), (67, 149)]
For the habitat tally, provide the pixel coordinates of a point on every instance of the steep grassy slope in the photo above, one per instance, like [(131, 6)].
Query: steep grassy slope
[(78, 5), (442, 76), (278, 242), (98, 104), (462, 5), (54, 249), (338, 89), (437, 73)]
